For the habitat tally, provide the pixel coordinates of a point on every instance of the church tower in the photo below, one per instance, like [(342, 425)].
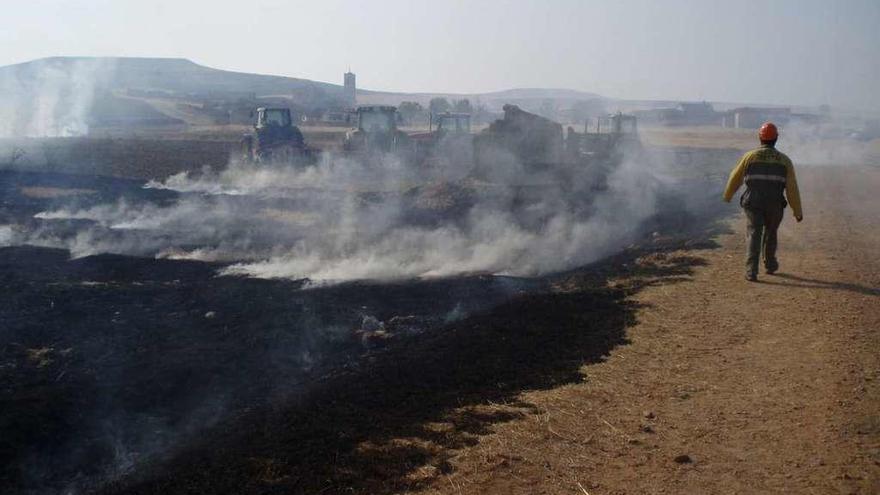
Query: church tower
[(350, 89)]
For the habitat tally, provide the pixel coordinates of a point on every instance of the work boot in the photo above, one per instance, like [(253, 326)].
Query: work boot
[(752, 277)]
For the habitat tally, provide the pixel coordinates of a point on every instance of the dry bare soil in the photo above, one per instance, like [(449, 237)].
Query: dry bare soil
[(724, 386)]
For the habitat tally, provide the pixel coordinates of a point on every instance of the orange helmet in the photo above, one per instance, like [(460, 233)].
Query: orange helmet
[(768, 132)]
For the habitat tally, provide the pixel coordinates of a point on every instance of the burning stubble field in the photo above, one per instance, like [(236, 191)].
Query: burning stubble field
[(335, 330)]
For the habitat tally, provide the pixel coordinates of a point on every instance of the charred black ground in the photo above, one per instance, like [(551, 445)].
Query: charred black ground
[(109, 360), (375, 427), (127, 374)]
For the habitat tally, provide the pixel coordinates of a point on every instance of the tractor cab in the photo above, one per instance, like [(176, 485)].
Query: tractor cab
[(448, 141), (456, 123), (617, 124), (273, 117), (607, 140), (377, 119), (274, 138), (376, 131)]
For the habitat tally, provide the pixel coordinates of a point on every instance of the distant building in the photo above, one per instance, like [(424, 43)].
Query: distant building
[(350, 89), (700, 113), (659, 116), (753, 117), (686, 114)]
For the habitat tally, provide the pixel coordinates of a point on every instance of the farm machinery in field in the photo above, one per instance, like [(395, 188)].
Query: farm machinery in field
[(376, 132), (521, 145), (615, 134), (524, 144), (447, 144), (274, 139)]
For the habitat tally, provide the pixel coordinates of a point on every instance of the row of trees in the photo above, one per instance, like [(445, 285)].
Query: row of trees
[(440, 105), (413, 112)]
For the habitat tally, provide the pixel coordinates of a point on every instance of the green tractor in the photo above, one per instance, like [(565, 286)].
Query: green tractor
[(447, 145), (274, 139), (614, 134), (376, 132)]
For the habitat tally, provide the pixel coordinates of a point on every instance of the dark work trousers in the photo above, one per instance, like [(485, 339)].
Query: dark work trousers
[(761, 231)]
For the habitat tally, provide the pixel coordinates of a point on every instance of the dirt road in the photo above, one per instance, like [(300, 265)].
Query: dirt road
[(725, 386)]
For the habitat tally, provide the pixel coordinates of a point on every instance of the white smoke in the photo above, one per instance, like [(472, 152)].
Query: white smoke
[(490, 241), (50, 97), (829, 143), (332, 173), (8, 236), (340, 221)]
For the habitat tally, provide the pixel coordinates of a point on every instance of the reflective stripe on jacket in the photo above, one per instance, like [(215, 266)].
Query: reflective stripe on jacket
[(767, 173)]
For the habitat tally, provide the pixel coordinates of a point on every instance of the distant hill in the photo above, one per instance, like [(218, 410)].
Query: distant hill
[(64, 96), (178, 76), (528, 93), (60, 96), (170, 75)]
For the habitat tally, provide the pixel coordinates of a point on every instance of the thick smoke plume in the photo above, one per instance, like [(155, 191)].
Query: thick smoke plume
[(341, 221), (51, 97), (336, 221)]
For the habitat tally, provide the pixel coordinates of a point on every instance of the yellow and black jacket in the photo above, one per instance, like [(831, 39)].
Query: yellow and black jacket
[(767, 172)]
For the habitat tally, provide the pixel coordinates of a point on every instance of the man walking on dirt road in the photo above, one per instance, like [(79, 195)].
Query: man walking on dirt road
[(767, 173)]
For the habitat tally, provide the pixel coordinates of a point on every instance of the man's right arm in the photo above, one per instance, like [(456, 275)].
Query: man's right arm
[(736, 177)]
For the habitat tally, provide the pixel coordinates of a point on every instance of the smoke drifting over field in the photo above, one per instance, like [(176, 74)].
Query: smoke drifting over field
[(339, 221), (48, 98), (489, 239), (832, 143), (142, 324)]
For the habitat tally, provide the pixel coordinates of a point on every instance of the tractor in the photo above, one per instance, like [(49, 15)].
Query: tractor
[(452, 123), (376, 132), (523, 144), (274, 139), (615, 134), (447, 145), (598, 153), (521, 140)]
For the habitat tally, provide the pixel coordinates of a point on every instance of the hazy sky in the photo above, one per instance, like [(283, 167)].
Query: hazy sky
[(790, 52)]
